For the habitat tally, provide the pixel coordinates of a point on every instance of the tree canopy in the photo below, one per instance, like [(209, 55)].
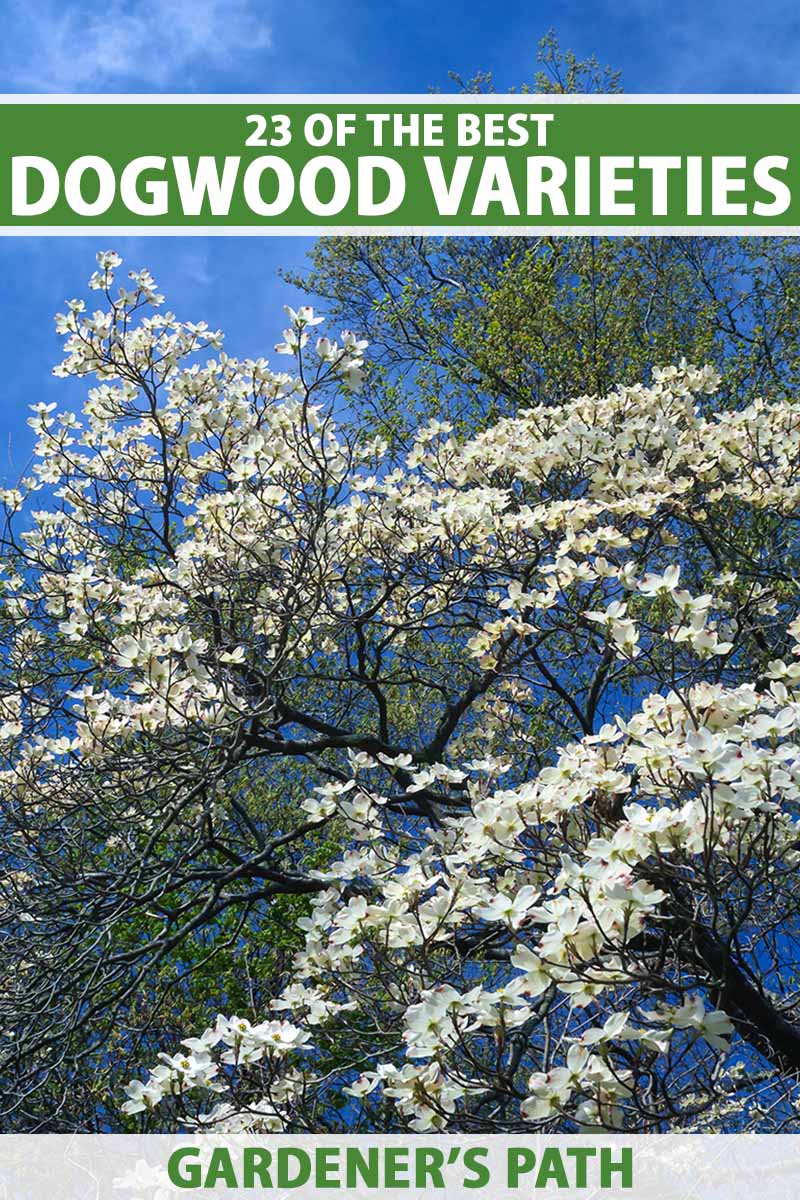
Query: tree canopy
[(498, 725), (470, 329)]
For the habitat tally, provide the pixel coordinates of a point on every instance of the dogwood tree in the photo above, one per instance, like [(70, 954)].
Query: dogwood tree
[(538, 689)]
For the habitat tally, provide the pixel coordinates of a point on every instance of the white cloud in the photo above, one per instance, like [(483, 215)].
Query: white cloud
[(147, 44)]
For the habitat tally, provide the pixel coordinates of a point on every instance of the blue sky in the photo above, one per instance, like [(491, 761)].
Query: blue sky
[(316, 46)]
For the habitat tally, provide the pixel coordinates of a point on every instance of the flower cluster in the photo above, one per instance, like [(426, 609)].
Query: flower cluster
[(237, 1043), (705, 773)]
